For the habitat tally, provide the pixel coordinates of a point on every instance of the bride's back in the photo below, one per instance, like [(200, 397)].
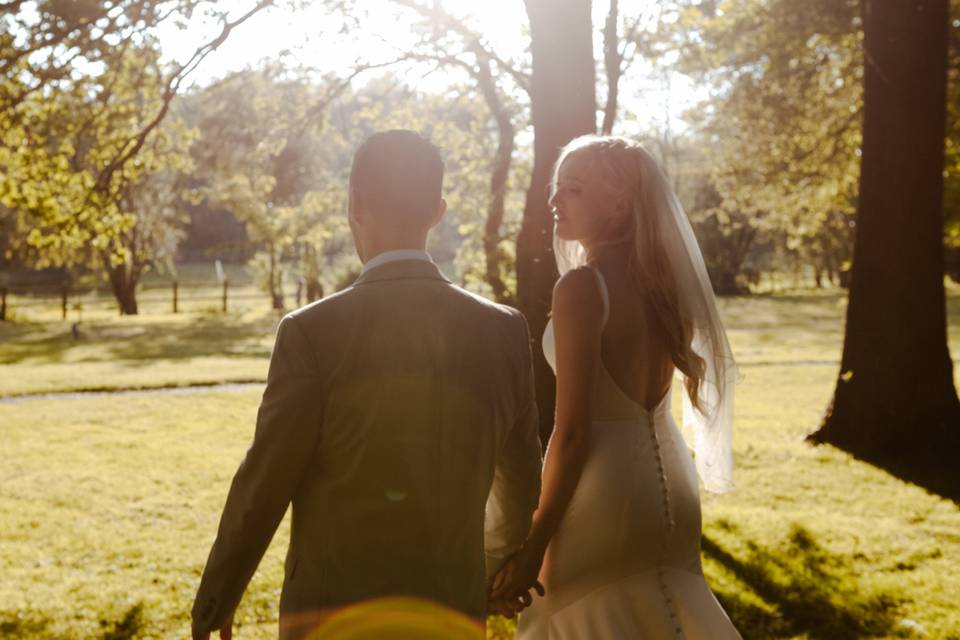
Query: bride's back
[(634, 349)]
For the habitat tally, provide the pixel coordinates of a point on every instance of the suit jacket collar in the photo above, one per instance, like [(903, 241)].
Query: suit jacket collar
[(393, 256), (402, 270)]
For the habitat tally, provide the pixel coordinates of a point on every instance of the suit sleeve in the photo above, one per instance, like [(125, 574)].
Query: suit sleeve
[(284, 443), (516, 483)]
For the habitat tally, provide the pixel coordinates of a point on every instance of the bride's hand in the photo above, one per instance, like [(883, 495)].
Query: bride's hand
[(510, 588)]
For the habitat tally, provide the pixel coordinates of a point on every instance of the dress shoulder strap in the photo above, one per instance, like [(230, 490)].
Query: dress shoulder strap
[(604, 294)]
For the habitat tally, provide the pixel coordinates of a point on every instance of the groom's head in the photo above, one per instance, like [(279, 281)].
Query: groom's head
[(395, 192)]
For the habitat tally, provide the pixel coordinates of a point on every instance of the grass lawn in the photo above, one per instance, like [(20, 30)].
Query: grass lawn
[(132, 352), (108, 504)]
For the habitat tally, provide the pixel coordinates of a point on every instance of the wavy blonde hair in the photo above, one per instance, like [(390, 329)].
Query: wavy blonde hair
[(631, 172)]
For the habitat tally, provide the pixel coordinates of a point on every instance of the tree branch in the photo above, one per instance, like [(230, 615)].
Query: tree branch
[(173, 85), (471, 39), (500, 172), (57, 37), (335, 90)]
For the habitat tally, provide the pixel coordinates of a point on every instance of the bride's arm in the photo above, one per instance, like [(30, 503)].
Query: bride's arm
[(577, 326)]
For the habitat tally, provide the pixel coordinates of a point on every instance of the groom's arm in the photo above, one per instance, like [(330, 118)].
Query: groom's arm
[(284, 443), (516, 482)]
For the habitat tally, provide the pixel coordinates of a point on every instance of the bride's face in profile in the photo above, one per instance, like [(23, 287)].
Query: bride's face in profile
[(583, 202)]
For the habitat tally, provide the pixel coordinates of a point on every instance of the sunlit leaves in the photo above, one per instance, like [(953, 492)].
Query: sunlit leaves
[(784, 119), (785, 115), (57, 144)]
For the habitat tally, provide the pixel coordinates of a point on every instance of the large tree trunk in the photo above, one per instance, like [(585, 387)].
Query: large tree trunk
[(895, 403), (563, 106)]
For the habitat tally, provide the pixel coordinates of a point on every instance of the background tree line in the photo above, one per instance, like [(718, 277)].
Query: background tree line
[(768, 169)]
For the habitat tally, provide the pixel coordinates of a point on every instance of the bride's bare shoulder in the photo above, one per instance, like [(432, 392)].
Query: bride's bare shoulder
[(576, 296)]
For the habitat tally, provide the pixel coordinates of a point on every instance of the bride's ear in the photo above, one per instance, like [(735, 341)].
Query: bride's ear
[(623, 206)]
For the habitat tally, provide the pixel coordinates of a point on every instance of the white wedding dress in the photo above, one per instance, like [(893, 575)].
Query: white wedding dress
[(625, 561)]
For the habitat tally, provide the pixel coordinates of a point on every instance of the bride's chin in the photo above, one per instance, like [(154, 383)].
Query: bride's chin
[(563, 232)]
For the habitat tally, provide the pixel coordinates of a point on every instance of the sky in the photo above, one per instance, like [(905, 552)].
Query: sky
[(312, 38)]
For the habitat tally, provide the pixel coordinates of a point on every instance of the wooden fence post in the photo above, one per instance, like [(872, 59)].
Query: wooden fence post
[(225, 285), (175, 287), (63, 300)]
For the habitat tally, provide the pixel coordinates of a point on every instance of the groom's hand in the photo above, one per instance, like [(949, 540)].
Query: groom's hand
[(509, 606), (518, 575), (226, 631)]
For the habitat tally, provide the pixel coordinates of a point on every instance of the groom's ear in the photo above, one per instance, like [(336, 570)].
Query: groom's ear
[(438, 216), (354, 213)]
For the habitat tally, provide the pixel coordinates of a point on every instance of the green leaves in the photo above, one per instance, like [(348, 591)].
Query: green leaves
[(785, 114), (784, 118)]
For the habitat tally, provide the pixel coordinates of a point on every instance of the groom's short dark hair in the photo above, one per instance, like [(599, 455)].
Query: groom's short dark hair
[(398, 173)]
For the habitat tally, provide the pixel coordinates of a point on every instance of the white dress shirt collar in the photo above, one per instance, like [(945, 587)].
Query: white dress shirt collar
[(394, 256)]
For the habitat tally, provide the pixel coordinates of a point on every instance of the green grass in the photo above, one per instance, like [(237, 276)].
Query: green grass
[(152, 350), (108, 504)]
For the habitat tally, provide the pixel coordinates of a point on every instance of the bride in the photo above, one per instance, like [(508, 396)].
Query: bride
[(615, 541)]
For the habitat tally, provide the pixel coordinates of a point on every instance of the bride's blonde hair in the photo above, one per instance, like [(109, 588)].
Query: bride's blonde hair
[(631, 172)]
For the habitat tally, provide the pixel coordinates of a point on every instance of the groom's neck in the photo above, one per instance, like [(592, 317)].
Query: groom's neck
[(375, 246)]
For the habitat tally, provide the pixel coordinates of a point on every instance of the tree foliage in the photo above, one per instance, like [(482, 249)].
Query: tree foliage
[(86, 140), (782, 125), (783, 121)]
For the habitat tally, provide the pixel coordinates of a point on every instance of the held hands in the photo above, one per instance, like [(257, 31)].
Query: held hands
[(509, 592)]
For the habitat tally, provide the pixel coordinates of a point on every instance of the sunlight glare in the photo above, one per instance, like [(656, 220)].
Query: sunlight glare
[(319, 42)]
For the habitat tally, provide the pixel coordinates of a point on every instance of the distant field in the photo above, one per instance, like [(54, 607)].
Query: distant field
[(108, 504), (161, 348)]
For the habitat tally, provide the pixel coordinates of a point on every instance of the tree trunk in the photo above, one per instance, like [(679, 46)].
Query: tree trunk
[(613, 65), (123, 284), (275, 285), (563, 106), (314, 290), (895, 404), (311, 272), (725, 283), (498, 182)]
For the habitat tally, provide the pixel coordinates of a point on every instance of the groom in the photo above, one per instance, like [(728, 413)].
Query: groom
[(393, 411)]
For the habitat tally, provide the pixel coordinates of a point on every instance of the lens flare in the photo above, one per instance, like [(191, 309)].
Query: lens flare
[(395, 618)]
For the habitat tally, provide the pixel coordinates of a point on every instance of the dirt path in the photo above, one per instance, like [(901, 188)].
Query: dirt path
[(230, 387)]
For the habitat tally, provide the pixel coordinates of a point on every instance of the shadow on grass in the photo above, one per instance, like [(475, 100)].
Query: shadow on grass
[(19, 624), (127, 627), (189, 337), (809, 591), (937, 477), (206, 336), (33, 625), (917, 444)]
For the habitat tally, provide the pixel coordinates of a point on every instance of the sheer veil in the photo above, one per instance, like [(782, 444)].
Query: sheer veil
[(712, 427)]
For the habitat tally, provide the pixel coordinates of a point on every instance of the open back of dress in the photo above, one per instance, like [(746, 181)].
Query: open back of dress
[(625, 562)]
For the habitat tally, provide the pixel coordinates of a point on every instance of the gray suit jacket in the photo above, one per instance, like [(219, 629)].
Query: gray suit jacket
[(392, 411)]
